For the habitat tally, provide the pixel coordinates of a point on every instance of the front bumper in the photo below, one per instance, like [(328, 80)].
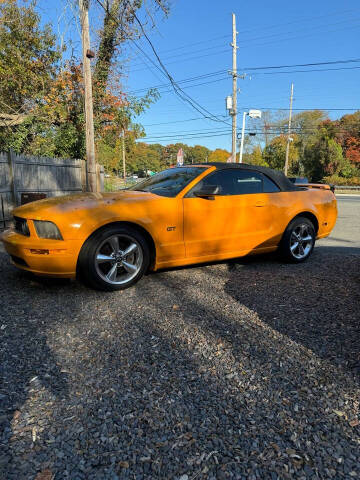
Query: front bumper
[(52, 258)]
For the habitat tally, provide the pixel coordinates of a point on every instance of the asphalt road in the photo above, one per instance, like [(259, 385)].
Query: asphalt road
[(345, 238)]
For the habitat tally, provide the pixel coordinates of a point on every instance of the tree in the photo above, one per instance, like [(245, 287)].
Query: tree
[(274, 153), (219, 155), (142, 157), (349, 136), (28, 59), (271, 122), (169, 153), (352, 150), (323, 156), (28, 64), (256, 157), (197, 154), (119, 25)]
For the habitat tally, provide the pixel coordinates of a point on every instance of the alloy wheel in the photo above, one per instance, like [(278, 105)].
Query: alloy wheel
[(301, 241), (118, 259)]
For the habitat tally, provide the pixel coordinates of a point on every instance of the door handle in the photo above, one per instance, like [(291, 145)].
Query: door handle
[(260, 204)]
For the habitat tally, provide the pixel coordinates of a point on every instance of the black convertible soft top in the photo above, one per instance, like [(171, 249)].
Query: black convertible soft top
[(276, 176)]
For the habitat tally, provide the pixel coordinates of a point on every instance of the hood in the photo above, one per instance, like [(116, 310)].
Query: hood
[(77, 202)]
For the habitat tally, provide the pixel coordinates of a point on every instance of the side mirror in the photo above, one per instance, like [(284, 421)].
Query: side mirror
[(207, 191)]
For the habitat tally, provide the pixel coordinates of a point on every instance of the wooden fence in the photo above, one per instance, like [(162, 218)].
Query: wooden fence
[(20, 174)]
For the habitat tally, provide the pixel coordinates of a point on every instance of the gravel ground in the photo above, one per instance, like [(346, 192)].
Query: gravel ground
[(248, 370)]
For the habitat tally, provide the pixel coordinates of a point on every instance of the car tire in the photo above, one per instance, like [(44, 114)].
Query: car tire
[(114, 258), (298, 240)]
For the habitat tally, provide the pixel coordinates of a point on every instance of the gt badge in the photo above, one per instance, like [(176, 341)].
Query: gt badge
[(170, 229)]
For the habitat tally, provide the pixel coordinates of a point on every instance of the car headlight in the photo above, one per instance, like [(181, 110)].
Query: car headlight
[(45, 229)]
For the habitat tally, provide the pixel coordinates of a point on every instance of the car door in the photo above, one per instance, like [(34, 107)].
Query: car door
[(236, 221)]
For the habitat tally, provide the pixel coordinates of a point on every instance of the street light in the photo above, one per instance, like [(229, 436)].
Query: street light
[(252, 114)]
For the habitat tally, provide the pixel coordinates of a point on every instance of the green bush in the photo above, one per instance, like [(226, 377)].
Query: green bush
[(337, 180), (109, 184)]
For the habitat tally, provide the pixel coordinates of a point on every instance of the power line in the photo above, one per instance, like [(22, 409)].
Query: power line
[(254, 45), (269, 73), (185, 80), (184, 96), (307, 109), (269, 67), (275, 130), (244, 41), (258, 108), (267, 27), (307, 71), (180, 121)]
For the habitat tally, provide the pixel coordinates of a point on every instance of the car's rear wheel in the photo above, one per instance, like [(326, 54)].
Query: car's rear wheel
[(114, 258), (298, 241)]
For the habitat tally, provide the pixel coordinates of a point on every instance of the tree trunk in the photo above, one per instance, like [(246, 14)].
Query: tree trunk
[(107, 47)]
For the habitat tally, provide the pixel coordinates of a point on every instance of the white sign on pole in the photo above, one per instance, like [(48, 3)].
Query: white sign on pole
[(229, 103), (180, 157)]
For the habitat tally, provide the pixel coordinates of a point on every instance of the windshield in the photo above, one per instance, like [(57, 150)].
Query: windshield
[(168, 183)]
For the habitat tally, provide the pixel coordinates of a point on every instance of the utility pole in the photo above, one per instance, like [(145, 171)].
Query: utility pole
[(234, 94), (123, 153), (289, 132), (89, 115), (242, 137)]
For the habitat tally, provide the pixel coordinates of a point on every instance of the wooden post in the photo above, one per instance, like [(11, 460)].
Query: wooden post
[(89, 115), (123, 153), (100, 177), (234, 94), (84, 176), (99, 169), (3, 211), (12, 175), (286, 167)]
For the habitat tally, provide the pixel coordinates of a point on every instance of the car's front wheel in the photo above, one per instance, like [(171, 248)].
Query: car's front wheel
[(298, 240), (114, 258)]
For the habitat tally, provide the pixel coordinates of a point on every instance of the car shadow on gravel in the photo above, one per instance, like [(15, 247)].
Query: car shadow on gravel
[(276, 393), (316, 303)]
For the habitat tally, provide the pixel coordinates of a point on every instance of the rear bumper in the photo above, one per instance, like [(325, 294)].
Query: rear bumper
[(52, 258)]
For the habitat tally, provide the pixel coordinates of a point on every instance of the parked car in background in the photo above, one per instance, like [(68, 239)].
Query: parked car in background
[(180, 216), (299, 180), (304, 181)]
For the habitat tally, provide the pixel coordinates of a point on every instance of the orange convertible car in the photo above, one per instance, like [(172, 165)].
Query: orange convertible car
[(181, 216)]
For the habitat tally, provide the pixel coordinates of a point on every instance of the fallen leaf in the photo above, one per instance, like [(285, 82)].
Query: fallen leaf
[(339, 413), (17, 414), (176, 307), (124, 464), (275, 447), (45, 475), (354, 423)]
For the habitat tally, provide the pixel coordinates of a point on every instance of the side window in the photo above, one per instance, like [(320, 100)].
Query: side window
[(248, 182), (269, 185), (224, 179), (233, 182)]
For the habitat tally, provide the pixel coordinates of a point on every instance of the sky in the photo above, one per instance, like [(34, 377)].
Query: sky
[(194, 41)]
